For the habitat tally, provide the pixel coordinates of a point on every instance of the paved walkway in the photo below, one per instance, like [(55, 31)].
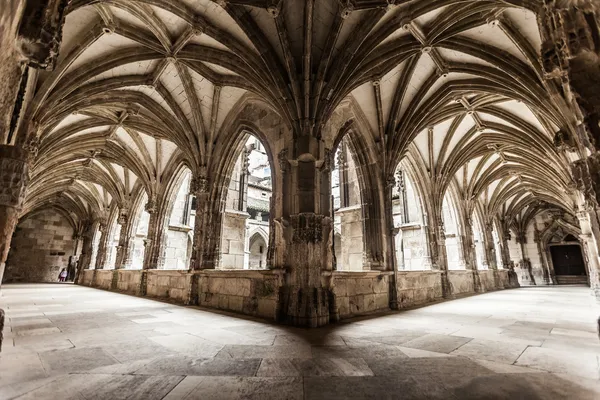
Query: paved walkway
[(71, 342)]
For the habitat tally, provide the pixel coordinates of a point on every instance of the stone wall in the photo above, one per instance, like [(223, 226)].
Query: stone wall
[(178, 248), (351, 228), (87, 277), (358, 293), (168, 284), (247, 292), (415, 288), (103, 279), (40, 248), (128, 281), (256, 292), (461, 282), (410, 247), (233, 240)]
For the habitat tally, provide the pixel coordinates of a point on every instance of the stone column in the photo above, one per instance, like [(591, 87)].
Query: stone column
[(525, 263), (124, 249), (570, 32), (392, 232), (207, 226), (154, 244), (102, 254), (544, 263), (307, 230), (87, 249), (489, 249), (469, 253), (13, 183), (439, 256), (590, 235)]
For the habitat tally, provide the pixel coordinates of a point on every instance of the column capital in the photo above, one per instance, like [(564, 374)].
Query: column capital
[(199, 185), (14, 176)]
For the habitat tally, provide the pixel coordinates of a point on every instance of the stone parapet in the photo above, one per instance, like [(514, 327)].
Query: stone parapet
[(250, 292), (259, 292), (359, 293)]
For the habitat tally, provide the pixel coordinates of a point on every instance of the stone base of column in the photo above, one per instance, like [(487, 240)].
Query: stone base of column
[(301, 306), (143, 288), (192, 294), (393, 293), (596, 294), (477, 288), (446, 286), (1, 327), (114, 283)]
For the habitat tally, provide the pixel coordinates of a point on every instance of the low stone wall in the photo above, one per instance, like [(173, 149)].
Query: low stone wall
[(103, 279), (461, 282), (418, 287), (487, 281), (169, 284), (250, 292), (358, 293), (86, 277), (257, 292), (128, 281)]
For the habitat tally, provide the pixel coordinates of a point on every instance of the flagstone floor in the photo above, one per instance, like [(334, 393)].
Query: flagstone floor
[(71, 342)]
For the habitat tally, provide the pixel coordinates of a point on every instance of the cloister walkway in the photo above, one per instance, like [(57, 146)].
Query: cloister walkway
[(73, 342)]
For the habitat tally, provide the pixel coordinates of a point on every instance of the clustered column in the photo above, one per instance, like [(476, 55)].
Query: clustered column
[(124, 249), (570, 56), (13, 183)]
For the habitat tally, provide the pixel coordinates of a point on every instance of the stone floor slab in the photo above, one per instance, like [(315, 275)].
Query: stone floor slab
[(562, 362), (237, 388), (506, 353), (314, 367), (186, 352), (437, 343)]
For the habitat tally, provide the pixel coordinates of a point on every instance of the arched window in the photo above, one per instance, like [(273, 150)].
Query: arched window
[(498, 247), (140, 234), (411, 239), (479, 243), (258, 252), (180, 224), (247, 208), (114, 231), (451, 232), (348, 210)]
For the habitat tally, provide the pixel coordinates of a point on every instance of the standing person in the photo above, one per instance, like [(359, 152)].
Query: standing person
[(63, 275)]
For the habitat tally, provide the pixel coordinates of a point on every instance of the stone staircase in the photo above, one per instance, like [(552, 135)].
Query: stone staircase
[(571, 279)]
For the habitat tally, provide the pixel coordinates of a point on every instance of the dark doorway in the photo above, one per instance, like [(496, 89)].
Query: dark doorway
[(568, 260)]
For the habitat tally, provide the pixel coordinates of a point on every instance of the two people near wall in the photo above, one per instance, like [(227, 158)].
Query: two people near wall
[(62, 277)]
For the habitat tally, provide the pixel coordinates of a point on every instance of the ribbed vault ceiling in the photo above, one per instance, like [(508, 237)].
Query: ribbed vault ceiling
[(142, 86)]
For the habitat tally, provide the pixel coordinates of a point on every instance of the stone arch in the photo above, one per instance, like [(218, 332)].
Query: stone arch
[(559, 233), (33, 260), (250, 116), (257, 241), (414, 169), (377, 242)]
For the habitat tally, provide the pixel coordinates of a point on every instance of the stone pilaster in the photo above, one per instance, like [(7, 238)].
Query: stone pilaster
[(207, 226), (524, 264), (590, 238), (124, 249), (154, 244), (102, 255), (306, 299), (439, 256), (489, 248), (87, 248), (13, 183)]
